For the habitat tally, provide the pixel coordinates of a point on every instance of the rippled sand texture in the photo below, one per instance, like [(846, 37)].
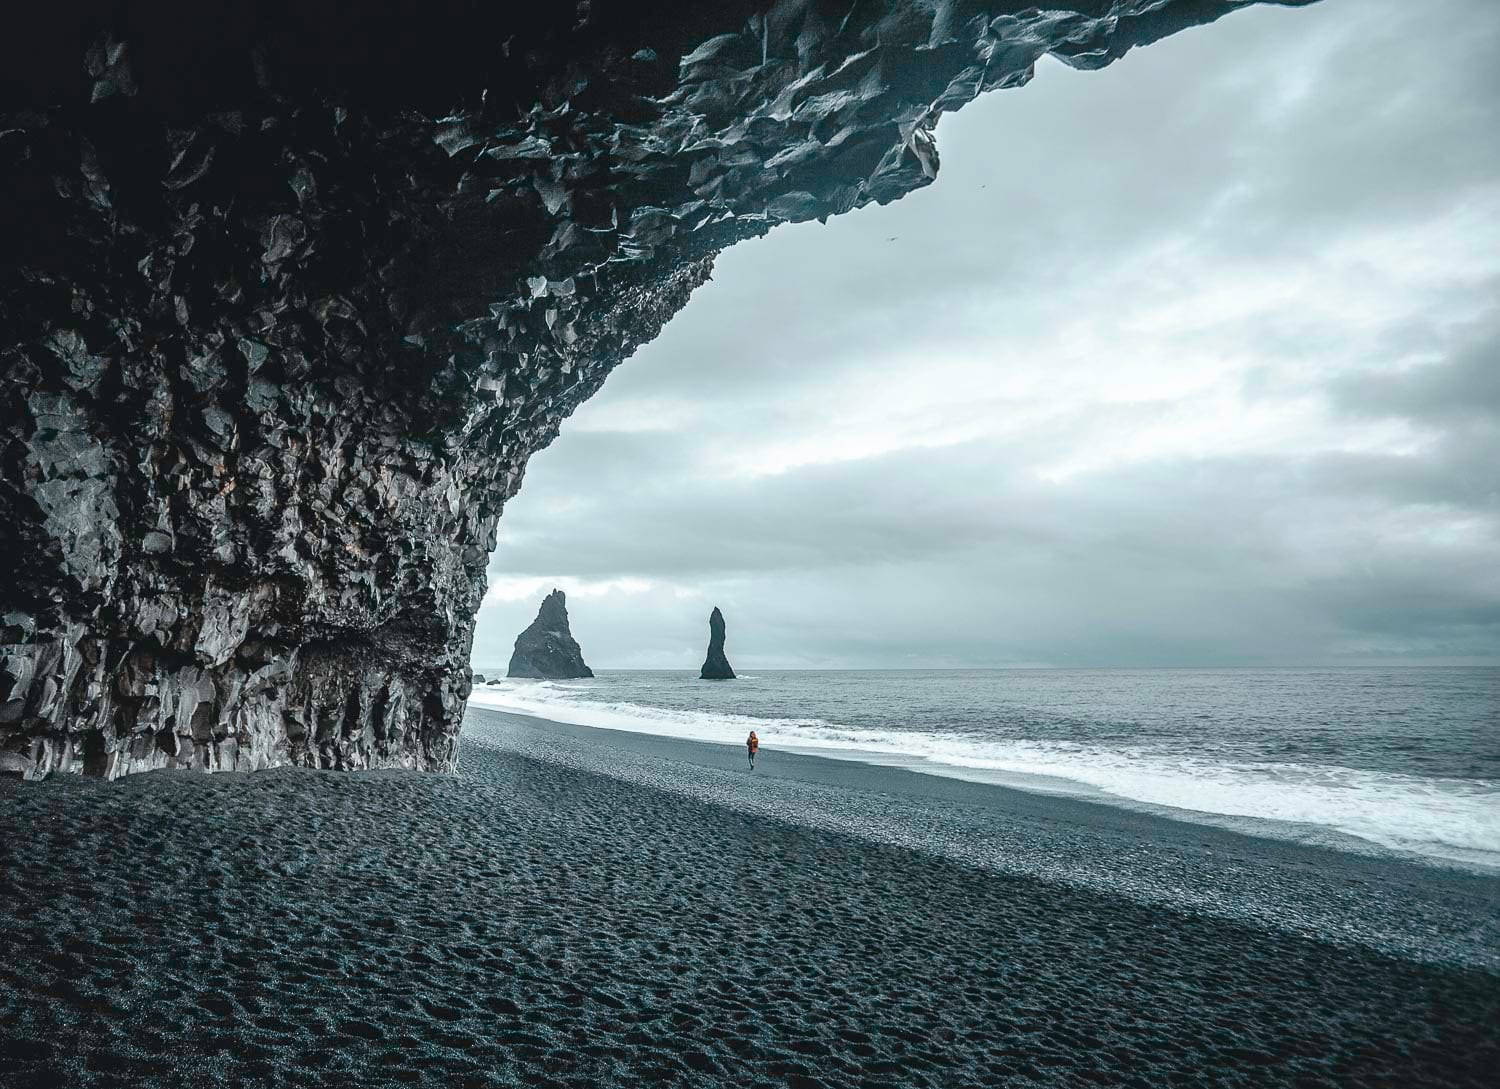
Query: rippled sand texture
[(528, 923)]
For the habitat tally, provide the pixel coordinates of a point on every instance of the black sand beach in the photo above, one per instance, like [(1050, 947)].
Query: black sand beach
[(582, 908)]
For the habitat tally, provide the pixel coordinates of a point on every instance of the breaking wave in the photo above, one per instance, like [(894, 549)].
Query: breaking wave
[(1448, 818)]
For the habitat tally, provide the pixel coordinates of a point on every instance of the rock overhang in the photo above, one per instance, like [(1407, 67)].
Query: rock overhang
[(290, 300)]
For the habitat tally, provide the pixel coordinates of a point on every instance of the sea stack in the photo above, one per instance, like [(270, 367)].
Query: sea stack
[(547, 650), (716, 666)]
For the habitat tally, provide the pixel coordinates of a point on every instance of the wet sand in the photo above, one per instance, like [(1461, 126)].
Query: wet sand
[(581, 907)]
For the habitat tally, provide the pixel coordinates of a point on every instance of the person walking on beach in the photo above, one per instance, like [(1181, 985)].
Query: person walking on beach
[(752, 743)]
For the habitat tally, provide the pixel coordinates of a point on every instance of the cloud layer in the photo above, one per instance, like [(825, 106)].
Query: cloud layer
[(1194, 360)]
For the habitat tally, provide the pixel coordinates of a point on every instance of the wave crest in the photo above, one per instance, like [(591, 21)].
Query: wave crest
[(1456, 819)]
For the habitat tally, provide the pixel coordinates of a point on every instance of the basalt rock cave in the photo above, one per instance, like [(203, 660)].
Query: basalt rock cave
[(292, 291)]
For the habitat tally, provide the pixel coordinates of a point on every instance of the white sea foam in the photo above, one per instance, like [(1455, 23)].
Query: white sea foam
[(1456, 819)]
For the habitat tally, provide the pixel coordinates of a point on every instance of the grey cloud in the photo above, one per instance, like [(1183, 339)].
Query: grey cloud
[(1135, 556), (1249, 151), (1455, 471), (1465, 387), (1022, 203)]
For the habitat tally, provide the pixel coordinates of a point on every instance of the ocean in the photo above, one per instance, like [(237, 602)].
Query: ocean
[(1406, 759)]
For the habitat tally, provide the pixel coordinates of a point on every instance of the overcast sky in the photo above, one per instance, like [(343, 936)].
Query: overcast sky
[(1191, 361)]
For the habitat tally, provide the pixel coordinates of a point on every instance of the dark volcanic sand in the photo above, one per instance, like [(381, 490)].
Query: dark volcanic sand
[(531, 921)]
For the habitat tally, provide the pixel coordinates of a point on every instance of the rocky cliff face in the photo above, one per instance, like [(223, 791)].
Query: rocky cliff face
[(715, 664), (287, 302), (547, 649)]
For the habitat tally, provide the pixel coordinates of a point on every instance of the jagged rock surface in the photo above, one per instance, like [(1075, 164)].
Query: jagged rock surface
[(715, 665), (288, 299), (546, 650)]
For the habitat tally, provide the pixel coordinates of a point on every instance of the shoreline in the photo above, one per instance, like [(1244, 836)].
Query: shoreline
[(1483, 863), (1429, 911), (1335, 813)]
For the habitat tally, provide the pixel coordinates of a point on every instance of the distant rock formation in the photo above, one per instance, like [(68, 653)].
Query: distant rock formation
[(547, 649), (479, 678), (716, 666)]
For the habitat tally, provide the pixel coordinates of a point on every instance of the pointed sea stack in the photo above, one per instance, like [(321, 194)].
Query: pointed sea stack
[(547, 649), (716, 666)]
